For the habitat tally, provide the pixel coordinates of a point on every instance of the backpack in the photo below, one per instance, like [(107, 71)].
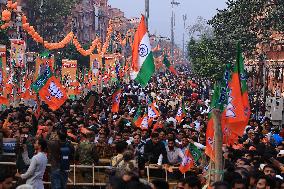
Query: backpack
[(64, 157)]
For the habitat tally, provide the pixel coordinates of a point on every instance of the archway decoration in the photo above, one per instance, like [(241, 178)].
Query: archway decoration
[(70, 37)]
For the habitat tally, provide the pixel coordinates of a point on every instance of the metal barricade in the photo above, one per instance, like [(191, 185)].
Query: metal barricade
[(97, 171), (165, 170), (72, 180)]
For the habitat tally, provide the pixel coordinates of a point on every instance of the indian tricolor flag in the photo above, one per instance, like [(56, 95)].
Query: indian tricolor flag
[(116, 100), (143, 65)]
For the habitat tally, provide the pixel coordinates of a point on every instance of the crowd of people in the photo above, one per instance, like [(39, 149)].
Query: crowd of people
[(85, 131)]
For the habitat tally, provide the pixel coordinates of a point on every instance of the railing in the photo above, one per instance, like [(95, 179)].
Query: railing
[(73, 175)]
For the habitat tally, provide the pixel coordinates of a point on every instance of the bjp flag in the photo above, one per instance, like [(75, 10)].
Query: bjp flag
[(116, 100), (50, 90), (26, 93), (152, 112), (181, 112), (236, 120), (243, 81), (4, 100), (187, 162), (9, 85)]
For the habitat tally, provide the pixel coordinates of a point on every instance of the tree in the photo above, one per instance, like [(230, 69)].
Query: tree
[(71, 53), (49, 17), (199, 28), (201, 53), (249, 22)]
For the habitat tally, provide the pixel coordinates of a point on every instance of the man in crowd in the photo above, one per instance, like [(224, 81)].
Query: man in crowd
[(157, 142), (60, 154), (155, 151), (35, 172)]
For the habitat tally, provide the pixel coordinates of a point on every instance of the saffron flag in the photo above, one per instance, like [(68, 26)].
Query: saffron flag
[(219, 101), (169, 66), (50, 90), (138, 118), (236, 120), (144, 123), (244, 87), (187, 162), (26, 92), (116, 100), (4, 100), (158, 125), (152, 112), (143, 66), (209, 149), (9, 84), (181, 112)]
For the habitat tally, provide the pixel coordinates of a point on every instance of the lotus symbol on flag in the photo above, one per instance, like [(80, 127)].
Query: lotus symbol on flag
[(230, 107), (143, 50), (117, 97), (186, 161), (179, 112), (48, 98), (23, 88), (243, 76), (210, 141), (54, 90), (151, 113)]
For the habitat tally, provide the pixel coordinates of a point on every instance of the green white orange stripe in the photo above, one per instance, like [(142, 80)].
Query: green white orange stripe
[(143, 65)]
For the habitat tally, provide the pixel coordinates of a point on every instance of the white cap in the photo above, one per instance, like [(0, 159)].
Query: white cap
[(186, 126)]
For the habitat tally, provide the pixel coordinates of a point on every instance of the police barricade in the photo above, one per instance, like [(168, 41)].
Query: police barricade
[(98, 175), (170, 174)]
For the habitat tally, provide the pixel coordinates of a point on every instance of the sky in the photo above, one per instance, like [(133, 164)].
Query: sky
[(160, 13)]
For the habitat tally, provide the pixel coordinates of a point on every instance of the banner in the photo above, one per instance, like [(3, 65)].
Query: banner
[(42, 61), (110, 60), (95, 65), (17, 54), (9, 145), (69, 72)]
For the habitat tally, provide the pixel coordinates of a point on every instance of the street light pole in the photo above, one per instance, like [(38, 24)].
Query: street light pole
[(172, 28), (147, 11), (184, 17)]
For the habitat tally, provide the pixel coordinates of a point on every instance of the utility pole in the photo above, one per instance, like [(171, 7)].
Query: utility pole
[(147, 11), (184, 17), (218, 142), (172, 28)]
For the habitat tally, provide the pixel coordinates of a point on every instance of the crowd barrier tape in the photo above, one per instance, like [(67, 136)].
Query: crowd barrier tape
[(75, 168)]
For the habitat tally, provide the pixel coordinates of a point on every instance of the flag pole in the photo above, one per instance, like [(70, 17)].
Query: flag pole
[(218, 142)]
